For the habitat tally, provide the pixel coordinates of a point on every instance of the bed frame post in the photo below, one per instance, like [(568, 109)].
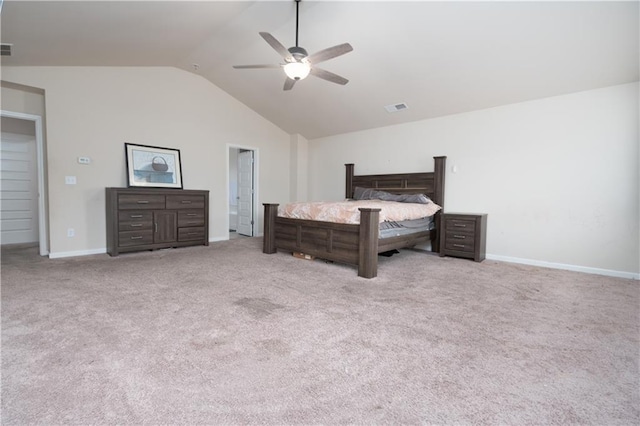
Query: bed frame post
[(349, 181), (368, 241), (269, 239), (440, 167)]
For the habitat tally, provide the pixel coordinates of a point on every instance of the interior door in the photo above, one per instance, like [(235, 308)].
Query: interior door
[(245, 193), (18, 189)]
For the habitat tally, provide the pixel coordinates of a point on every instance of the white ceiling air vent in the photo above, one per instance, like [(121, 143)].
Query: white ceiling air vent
[(396, 107), (5, 49)]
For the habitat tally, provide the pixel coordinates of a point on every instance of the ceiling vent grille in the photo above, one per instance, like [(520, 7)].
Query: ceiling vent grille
[(5, 49), (396, 107)]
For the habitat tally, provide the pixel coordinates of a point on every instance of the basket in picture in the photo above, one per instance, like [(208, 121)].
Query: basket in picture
[(159, 164)]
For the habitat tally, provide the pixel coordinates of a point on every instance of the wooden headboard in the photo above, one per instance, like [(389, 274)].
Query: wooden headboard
[(431, 183)]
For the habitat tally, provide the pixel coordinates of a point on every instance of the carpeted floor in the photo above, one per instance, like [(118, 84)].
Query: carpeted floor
[(227, 335)]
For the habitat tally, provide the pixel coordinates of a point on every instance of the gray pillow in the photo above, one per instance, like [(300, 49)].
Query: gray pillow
[(374, 194)]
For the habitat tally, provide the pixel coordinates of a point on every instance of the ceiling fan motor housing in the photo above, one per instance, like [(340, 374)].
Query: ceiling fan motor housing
[(298, 53)]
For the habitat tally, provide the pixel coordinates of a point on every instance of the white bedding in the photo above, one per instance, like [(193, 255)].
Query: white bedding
[(347, 211)]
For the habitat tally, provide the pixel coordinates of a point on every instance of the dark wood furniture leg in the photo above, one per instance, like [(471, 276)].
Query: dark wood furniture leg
[(269, 239), (368, 243)]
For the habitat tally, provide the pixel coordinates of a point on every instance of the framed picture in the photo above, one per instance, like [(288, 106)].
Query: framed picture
[(152, 166)]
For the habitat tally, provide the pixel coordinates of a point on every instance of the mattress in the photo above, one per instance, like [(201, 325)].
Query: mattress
[(390, 229)]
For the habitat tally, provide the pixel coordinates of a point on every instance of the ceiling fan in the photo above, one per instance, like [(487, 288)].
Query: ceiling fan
[(298, 63)]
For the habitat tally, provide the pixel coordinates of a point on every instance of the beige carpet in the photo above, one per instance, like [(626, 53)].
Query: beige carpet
[(228, 335)]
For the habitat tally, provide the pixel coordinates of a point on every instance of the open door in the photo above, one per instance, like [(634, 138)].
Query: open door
[(245, 193), (18, 189), (22, 181)]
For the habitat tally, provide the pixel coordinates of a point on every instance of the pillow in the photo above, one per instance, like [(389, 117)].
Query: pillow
[(374, 194)]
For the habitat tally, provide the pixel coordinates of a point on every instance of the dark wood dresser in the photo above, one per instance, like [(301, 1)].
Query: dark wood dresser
[(464, 235), (152, 218)]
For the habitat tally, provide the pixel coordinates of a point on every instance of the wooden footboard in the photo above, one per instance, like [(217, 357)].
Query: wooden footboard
[(350, 244)]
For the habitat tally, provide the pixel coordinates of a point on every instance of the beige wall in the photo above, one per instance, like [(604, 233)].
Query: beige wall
[(20, 98), (93, 111), (558, 177), (299, 168)]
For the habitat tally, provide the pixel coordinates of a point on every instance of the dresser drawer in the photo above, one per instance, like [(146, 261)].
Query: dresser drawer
[(132, 216), (190, 218), (135, 226), (180, 201), (140, 201), (135, 238), (190, 234), (130, 220)]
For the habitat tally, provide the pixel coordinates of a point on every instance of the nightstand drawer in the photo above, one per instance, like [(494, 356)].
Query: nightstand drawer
[(460, 237), (460, 225), (459, 246)]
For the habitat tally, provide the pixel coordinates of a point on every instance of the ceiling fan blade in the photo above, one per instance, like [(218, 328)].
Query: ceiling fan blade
[(329, 76), (330, 53), (256, 66), (277, 46), (288, 84)]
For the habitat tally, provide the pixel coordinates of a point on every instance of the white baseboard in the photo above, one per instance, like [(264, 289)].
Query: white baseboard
[(585, 269), (76, 253), (217, 239)]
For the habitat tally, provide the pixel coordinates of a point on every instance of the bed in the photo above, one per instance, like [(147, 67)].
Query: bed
[(357, 244)]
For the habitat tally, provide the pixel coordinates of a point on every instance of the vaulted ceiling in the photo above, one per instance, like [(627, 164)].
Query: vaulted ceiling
[(439, 58)]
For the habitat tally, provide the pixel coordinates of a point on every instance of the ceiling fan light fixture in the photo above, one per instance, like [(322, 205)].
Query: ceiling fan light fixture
[(297, 70)]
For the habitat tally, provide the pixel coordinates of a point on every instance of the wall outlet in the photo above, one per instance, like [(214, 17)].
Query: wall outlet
[(70, 180), (84, 160), (71, 232)]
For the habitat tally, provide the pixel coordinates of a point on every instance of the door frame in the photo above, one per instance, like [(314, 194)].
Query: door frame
[(43, 232), (256, 165)]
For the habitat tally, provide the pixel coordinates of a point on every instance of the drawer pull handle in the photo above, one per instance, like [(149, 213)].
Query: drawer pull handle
[(136, 238), (193, 223), (136, 225), (156, 224), (459, 245), (460, 237), (135, 216), (460, 225), (143, 202), (186, 202), (192, 214), (194, 233)]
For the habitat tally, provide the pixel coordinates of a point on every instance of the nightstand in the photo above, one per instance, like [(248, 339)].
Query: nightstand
[(463, 235)]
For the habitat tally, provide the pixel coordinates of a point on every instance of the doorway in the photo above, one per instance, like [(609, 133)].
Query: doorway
[(242, 191), (22, 187)]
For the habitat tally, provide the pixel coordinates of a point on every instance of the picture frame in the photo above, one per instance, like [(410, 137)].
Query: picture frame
[(153, 166)]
